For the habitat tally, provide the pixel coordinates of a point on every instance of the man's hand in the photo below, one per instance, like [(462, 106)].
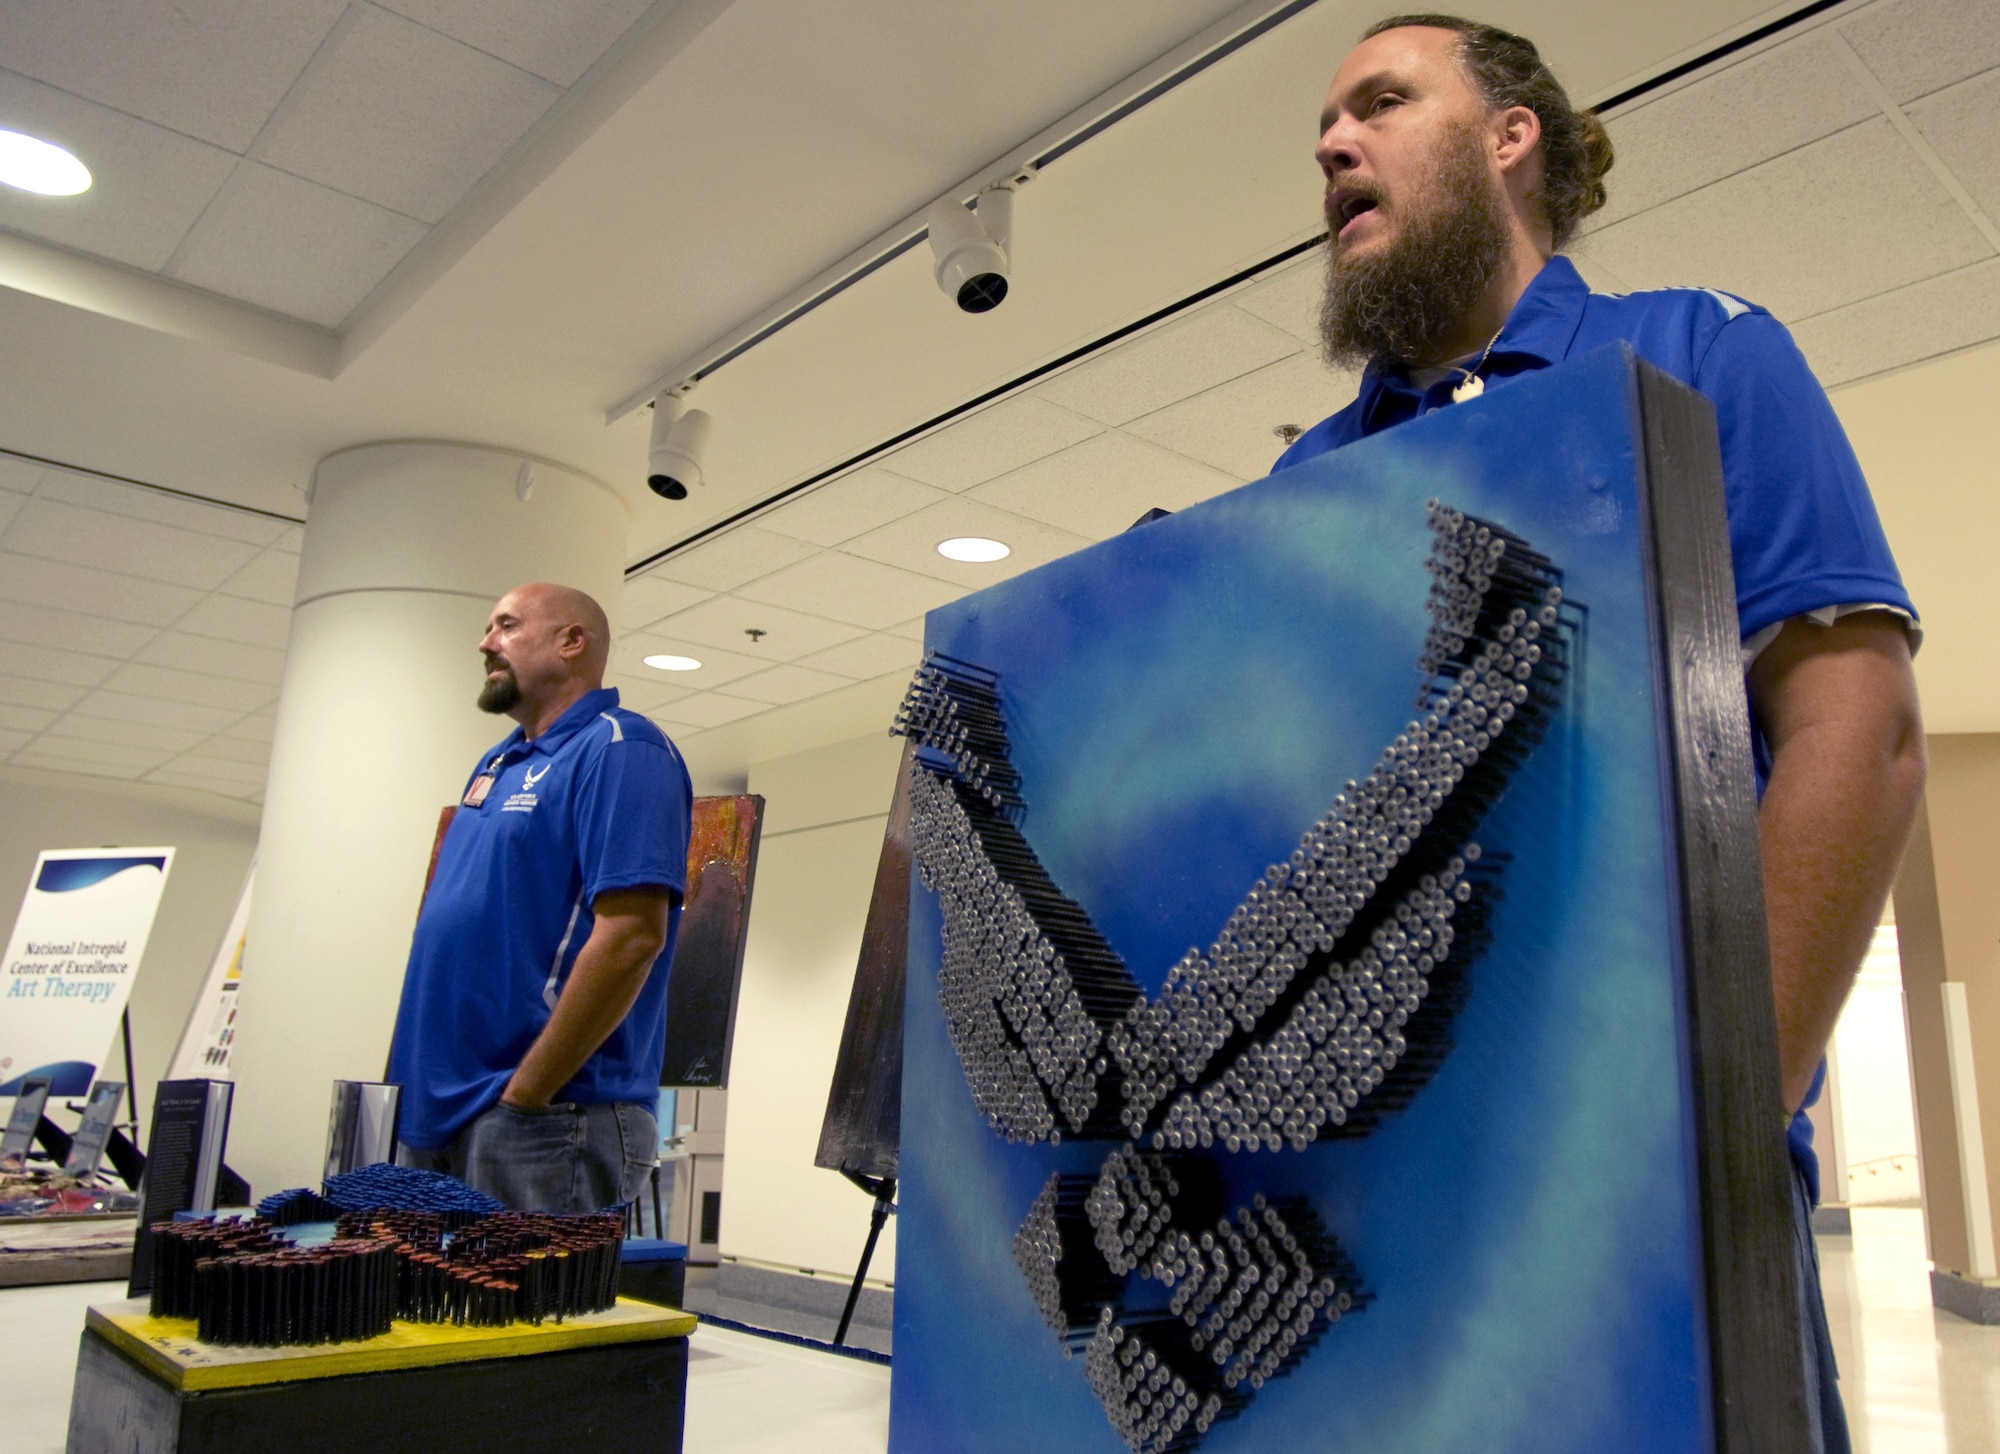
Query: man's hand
[(610, 970), (1838, 706)]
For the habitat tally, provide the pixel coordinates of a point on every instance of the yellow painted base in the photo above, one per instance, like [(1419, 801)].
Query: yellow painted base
[(168, 1347)]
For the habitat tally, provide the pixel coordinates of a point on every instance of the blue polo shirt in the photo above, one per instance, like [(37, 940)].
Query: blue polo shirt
[(1803, 533), (600, 801)]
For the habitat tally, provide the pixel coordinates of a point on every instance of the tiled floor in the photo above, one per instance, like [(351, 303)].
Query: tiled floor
[(1916, 1381)]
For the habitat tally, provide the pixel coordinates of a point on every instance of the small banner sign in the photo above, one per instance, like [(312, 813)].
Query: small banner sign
[(68, 971)]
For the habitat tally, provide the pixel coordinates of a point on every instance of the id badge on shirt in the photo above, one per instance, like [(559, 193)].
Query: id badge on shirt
[(481, 786)]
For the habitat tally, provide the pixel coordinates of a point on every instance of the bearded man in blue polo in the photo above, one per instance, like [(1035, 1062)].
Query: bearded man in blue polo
[(532, 1025), (1456, 171)]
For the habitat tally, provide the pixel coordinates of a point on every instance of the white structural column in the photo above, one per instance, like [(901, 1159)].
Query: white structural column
[(407, 546)]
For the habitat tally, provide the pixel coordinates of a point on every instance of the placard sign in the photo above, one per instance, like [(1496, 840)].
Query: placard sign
[(210, 1033), (80, 936)]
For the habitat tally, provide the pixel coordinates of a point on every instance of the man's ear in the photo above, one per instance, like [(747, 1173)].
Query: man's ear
[(1517, 131), (573, 642)]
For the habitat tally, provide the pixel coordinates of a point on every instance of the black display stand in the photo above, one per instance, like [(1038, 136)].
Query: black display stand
[(620, 1396)]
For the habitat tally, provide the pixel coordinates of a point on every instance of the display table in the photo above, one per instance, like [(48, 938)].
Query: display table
[(45, 1249), (145, 1386)]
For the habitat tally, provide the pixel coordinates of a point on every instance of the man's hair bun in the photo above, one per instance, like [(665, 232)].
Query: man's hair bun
[(1509, 71)]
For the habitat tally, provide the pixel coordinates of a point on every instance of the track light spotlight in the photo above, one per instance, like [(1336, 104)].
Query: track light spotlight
[(972, 247), (680, 440)]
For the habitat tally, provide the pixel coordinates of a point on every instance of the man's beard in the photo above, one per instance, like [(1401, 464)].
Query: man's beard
[(1408, 299), (501, 693)]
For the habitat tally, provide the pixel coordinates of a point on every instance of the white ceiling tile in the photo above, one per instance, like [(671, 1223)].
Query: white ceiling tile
[(912, 630), (736, 556), (1234, 426), (1722, 124), (55, 531), (217, 658), (18, 475), (174, 775), (1785, 235), (1918, 46), (293, 246), (235, 749), (292, 539), (193, 688), (272, 578), (868, 657), (393, 112), (1002, 437), (71, 631), (10, 739), (24, 719), (849, 505), (148, 185), (556, 42), (1104, 485), (847, 588), (231, 618), (10, 506), (711, 709), (90, 768), (1962, 125), (210, 68), (156, 505), (912, 542), (724, 621), (156, 710), (94, 592), (784, 684), (71, 668), (646, 692), (33, 692), (260, 728), (221, 769), (1183, 358), (1903, 326), (717, 666), (1290, 299), (649, 597), (55, 744), (163, 740)]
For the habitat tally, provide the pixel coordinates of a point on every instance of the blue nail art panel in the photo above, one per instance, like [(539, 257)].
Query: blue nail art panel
[(1158, 720)]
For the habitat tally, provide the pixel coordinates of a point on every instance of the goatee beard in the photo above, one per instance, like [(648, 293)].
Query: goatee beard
[(500, 694), (1407, 300)]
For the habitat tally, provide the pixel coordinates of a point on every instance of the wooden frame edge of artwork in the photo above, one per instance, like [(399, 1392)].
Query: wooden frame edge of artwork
[(1755, 1348)]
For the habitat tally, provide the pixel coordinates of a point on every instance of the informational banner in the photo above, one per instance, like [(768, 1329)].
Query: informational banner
[(68, 972), (210, 1036)]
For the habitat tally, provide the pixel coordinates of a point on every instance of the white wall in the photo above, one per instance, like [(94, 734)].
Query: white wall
[(825, 813), (213, 839)]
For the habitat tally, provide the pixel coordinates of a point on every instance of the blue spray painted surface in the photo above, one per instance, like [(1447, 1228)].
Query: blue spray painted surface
[(1183, 700)]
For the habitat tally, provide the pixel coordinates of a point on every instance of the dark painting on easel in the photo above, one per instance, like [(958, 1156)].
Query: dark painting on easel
[(708, 954)]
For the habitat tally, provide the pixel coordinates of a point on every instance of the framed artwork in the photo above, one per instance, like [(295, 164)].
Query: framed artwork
[(1338, 1011)]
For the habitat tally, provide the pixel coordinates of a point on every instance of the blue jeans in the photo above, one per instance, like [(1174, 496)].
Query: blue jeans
[(568, 1158), (1828, 1418)]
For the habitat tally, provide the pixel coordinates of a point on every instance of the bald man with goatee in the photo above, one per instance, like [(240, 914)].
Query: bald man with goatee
[(532, 1023)]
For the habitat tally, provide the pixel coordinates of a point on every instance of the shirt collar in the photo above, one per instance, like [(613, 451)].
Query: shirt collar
[(580, 713), (1538, 332)]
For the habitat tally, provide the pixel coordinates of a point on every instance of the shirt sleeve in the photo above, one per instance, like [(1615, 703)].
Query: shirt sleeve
[(632, 809), (1803, 532)]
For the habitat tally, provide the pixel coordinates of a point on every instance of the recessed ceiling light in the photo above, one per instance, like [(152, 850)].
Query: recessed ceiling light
[(972, 547), (672, 663), (35, 165)]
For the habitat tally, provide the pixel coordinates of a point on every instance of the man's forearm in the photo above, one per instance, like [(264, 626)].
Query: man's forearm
[(604, 983), (1831, 835), (1846, 777)]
